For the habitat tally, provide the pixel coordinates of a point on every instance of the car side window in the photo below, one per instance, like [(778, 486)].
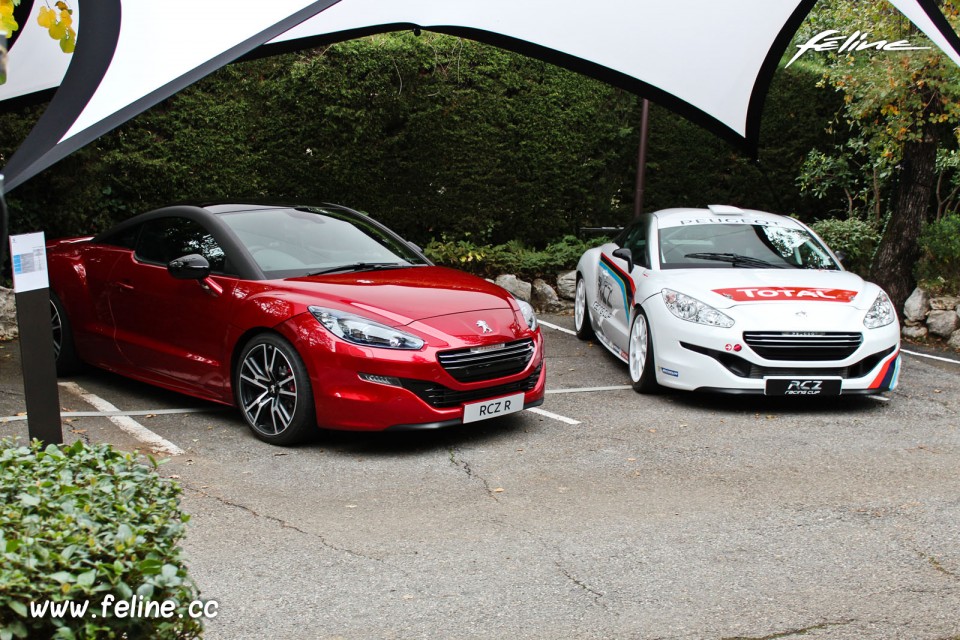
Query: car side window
[(635, 239), (124, 238), (166, 239)]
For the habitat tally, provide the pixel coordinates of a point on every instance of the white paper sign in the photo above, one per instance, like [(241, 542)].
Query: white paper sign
[(29, 257)]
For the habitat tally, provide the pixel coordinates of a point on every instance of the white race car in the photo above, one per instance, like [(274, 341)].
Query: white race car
[(736, 301)]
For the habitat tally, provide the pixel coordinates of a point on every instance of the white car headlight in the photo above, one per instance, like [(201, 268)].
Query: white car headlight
[(692, 310), (360, 330), (881, 313), (528, 314)]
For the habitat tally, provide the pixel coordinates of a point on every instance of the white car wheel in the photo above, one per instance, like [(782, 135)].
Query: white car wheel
[(640, 358), (581, 317)]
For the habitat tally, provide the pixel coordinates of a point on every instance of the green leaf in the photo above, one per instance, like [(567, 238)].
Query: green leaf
[(29, 500), (150, 566), (87, 578), (19, 608), (63, 577)]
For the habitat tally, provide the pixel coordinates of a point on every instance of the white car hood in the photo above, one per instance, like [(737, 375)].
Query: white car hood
[(728, 288)]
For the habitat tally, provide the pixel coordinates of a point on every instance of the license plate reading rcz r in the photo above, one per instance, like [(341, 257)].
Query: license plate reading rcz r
[(803, 387), (492, 408)]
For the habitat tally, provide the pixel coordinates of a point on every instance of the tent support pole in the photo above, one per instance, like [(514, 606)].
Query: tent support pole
[(642, 160)]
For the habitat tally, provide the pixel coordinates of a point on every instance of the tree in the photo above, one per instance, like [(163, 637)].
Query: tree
[(905, 106), (57, 21)]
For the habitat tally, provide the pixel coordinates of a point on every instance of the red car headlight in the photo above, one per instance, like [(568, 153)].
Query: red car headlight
[(362, 331)]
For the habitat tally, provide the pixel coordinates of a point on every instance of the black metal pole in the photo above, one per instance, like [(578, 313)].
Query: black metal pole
[(642, 160), (4, 226), (38, 361), (40, 391)]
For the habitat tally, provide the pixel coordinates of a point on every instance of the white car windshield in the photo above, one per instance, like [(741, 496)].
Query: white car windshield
[(746, 246)]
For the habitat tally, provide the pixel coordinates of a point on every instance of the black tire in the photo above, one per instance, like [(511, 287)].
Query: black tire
[(581, 315), (64, 351), (643, 375), (273, 392)]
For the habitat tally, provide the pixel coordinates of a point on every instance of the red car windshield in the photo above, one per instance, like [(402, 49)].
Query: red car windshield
[(301, 241)]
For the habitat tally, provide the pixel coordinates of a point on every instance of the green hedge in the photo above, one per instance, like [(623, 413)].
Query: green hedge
[(433, 135), (856, 239), (514, 257), (79, 523)]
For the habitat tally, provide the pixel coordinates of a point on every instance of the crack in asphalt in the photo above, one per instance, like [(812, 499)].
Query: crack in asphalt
[(566, 572), (934, 562), (597, 596), (283, 523), (81, 434), (802, 631), (465, 466)]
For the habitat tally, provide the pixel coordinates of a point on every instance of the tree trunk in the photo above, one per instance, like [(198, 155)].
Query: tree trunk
[(898, 251)]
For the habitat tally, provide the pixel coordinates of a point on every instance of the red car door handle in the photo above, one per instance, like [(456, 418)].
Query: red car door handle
[(125, 286)]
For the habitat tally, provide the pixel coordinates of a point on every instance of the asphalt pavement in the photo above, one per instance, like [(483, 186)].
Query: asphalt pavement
[(607, 514)]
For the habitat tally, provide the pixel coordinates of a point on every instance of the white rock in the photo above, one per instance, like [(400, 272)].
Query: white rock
[(917, 305), (942, 303), (917, 332), (545, 298), (516, 286), (567, 285), (943, 323), (954, 341)]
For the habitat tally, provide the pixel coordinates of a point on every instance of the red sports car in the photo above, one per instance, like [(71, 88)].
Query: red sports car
[(300, 316)]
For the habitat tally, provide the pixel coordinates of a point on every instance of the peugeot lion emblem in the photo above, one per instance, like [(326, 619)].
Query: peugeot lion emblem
[(484, 327)]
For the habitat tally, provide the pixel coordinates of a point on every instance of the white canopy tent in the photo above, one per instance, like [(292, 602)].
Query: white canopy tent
[(711, 61)]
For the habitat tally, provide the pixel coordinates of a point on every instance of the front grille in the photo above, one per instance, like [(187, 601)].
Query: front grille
[(441, 397), (479, 364), (798, 345), (745, 369)]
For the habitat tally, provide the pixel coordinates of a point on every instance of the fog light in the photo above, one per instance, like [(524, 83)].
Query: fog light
[(390, 381)]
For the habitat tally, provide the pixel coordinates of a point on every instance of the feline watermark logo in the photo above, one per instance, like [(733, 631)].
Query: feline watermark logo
[(858, 41)]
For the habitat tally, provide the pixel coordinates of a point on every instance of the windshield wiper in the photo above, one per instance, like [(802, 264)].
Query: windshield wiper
[(735, 259), (360, 266)]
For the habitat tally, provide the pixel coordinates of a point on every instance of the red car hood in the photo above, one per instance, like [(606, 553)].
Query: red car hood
[(404, 295)]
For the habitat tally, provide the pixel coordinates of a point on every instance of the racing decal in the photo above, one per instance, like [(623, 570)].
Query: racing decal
[(886, 380), (615, 277), (736, 219), (751, 294), (612, 348), (601, 310)]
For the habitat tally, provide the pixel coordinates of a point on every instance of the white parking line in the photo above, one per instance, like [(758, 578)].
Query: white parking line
[(924, 355), (553, 326), (108, 414), (125, 422), (622, 387), (553, 416)]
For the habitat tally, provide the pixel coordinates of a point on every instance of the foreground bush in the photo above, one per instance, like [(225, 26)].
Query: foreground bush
[(513, 257), (83, 523), (939, 267)]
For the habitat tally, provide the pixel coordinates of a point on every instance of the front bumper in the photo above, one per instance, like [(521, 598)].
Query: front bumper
[(412, 390), (701, 358)]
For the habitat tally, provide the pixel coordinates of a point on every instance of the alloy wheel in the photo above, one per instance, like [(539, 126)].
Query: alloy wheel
[(268, 389), (57, 323), (638, 347), (580, 306)]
